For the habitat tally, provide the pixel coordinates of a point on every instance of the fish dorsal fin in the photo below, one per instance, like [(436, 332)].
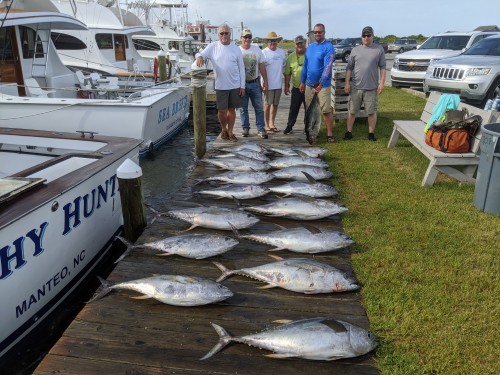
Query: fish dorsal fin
[(301, 153), (335, 325), (309, 178)]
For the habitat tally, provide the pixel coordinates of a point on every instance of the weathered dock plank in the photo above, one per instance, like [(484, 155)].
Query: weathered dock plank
[(120, 335)]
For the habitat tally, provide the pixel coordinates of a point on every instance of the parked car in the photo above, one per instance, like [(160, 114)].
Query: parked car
[(409, 68), (335, 41), (385, 46), (402, 45), (344, 48), (474, 75)]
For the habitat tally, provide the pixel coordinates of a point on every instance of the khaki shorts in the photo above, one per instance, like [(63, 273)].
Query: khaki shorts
[(369, 98), (324, 98), (272, 97), (228, 99)]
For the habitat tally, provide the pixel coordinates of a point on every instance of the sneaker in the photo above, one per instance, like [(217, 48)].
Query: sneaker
[(246, 132), (348, 135), (288, 130), (371, 137), (262, 135)]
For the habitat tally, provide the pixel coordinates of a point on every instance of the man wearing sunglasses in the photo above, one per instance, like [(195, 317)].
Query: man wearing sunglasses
[(254, 69), (227, 61), (366, 67), (317, 77)]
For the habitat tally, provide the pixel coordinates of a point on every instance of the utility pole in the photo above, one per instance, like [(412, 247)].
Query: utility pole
[(309, 22)]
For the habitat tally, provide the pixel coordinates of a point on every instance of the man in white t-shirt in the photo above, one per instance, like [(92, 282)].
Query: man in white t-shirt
[(275, 59), (254, 70), (227, 60)]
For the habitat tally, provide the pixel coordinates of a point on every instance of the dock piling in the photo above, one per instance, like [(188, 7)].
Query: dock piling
[(130, 183), (199, 98)]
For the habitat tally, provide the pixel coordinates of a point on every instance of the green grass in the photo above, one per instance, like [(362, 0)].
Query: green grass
[(428, 260)]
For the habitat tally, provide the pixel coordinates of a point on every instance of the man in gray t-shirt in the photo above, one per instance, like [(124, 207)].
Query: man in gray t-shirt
[(366, 67)]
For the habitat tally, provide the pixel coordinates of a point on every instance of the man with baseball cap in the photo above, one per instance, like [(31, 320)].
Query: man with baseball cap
[(254, 69), (366, 68), (293, 70)]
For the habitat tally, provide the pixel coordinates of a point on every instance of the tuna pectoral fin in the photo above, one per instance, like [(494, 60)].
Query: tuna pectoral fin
[(224, 339), (145, 296), (309, 177)]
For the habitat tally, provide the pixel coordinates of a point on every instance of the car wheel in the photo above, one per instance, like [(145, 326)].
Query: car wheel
[(401, 50), (346, 56), (493, 92)]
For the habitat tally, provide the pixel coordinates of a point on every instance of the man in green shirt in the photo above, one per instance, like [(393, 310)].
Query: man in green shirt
[(293, 70)]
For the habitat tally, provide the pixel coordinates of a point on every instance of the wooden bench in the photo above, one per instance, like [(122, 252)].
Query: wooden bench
[(463, 166)]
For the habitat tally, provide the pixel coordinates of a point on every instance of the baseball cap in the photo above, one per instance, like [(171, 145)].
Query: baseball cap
[(246, 32), (367, 30), (299, 39)]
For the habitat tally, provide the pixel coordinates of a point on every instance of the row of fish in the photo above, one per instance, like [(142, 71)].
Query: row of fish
[(320, 338)]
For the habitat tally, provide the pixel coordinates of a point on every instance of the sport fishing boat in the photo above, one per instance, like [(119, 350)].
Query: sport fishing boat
[(60, 210), (37, 91)]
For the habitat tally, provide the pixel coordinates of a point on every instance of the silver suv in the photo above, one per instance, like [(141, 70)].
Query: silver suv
[(409, 68), (402, 45), (474, 75)]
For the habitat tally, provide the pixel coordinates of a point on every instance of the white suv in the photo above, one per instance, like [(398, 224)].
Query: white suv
[(409, 68), (474, 75)]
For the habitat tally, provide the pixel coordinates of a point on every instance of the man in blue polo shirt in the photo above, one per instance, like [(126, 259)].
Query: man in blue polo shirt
[(317, 76)]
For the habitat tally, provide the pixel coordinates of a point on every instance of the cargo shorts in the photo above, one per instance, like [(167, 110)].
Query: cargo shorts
[(324, 98), (368, 98)]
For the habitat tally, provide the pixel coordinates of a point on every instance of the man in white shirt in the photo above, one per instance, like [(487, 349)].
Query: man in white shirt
[(275, 62), (227, 60)]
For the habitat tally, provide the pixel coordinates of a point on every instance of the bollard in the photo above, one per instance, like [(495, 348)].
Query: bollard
[(162, 64), (130, 185), (199, 97)]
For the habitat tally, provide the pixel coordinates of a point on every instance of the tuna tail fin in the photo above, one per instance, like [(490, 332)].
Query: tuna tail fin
[(106, 288), (130, 247), (225, 271), (224, 339)]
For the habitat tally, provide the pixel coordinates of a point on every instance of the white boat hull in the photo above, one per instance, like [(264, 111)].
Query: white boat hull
[(154, 119), (47, 247)]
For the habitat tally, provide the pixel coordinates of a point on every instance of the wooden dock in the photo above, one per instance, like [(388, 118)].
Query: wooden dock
[(120, 335)]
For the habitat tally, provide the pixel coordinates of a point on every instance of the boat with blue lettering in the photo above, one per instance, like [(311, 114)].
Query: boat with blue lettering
[(60, 210), (37, 91)]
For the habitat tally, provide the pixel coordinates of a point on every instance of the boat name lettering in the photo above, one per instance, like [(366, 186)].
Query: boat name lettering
[(15, 253), (177, 106), (91, 201), (48, 286)]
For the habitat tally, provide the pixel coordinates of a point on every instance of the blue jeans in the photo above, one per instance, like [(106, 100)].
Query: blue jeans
[(252, 92)]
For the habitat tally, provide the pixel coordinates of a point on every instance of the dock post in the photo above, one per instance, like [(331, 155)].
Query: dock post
[(162, 65), (130, 184), (199, 96)]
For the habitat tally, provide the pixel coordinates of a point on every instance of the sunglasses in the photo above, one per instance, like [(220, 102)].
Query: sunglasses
[(299, 43), (224, 33), (318, 32), (366, 35), (272, 40), (247, 37)]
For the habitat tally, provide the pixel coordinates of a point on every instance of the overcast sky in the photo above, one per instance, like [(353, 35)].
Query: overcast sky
[(346, 18)]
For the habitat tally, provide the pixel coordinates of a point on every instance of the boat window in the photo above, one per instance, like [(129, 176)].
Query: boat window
[(120, 39), (28, 44), (146, 45), (104, 41), (6, 53), (67, 42)]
